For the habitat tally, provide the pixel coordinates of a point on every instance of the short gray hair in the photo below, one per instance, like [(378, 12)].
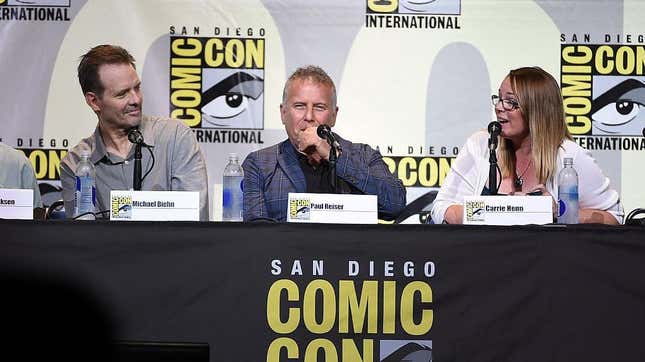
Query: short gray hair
[(314, 73)]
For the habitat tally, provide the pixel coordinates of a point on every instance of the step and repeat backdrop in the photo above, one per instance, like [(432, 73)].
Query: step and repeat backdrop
[(414, 78)]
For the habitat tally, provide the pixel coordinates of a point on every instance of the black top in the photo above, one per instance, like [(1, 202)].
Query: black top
[(318, 178)]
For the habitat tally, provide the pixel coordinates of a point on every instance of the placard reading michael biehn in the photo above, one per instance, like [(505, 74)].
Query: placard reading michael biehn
[(154, 205)]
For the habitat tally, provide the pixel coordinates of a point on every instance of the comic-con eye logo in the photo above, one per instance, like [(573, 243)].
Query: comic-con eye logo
[(603, 90), (121, 207), (620, 109), (300, 209), (438, 7), (217, 82), (475, 210)]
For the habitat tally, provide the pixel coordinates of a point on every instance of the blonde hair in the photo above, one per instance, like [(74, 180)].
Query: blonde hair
[(540, 102)]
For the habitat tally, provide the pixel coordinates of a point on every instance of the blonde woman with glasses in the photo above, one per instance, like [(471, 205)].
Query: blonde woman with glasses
[(533, 143)]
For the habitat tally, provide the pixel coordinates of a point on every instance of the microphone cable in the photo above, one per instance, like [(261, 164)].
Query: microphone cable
[(152, 155), (95, 214)]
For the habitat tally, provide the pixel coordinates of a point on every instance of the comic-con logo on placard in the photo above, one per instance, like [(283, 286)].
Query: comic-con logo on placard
[(121, 207), (428, 14), (603, 89), (475, 210), (217, 84), (34, 10), (300, 209)]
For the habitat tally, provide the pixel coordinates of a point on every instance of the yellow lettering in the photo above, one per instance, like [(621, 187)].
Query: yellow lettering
[(407, 308), (428, 172), (311, 354), (406, 175), (273, 306), (186, 47), (186, 98), (349, 305), (350, 351), (389, 306), (191, 117), (625, 60), (577, 54), (38, 159), (328, 307), (213, 52), (576, 85), (273, 354), (577, 105), (578, 124), (604, 62), (187, 78)]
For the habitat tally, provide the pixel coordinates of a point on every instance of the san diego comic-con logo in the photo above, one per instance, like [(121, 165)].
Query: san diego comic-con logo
[(475, 210), (121, 207), (603, 89), (371, 311), (300, 209), (34, 10), (217, 84), (413, 14)]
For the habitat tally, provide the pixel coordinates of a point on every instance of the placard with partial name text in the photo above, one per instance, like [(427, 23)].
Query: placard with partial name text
[(16, 204)]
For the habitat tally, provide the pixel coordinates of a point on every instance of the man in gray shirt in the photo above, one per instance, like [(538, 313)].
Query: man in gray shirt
[(171, 158)]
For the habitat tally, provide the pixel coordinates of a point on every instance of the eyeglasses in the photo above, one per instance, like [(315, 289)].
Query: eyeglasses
[(507, 104)]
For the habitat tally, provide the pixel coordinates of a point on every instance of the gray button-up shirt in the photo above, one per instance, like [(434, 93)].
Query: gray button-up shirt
[(179, 165)]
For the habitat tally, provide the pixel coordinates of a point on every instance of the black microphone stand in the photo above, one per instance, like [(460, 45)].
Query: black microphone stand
[(137, 167), (492, 171), (333, 156)]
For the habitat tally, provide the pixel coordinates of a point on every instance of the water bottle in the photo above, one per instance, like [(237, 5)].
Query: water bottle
[(568, 194), (232, 197), (85, 194)]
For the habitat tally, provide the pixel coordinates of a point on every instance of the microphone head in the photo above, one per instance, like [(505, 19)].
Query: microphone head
[(494, 128), (323, 130), (135, 136)]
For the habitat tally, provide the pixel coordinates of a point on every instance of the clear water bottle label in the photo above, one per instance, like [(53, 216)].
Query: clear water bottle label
[(85, 194), (232, 198), (568, 207)]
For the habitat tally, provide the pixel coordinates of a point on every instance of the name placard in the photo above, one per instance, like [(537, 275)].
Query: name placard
[(154, 205), (508, 210), (332, 208), (16, 204)]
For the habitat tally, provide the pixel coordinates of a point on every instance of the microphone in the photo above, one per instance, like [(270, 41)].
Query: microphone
[(135, 136), (324, 132), (494, 129)]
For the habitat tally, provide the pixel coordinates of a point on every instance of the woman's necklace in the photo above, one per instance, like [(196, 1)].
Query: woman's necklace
[(519, 181)]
